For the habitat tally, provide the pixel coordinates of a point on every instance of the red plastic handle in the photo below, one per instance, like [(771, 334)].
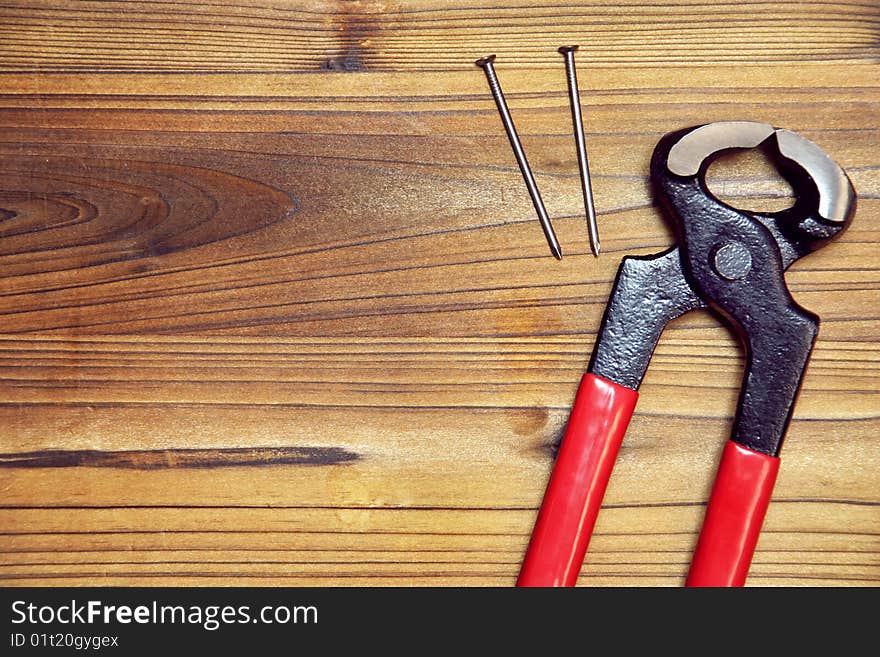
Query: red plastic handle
[(739, 501), (601, 413)]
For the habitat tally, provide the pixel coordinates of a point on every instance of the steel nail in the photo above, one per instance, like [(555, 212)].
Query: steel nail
[(486, 63), (586, 185)]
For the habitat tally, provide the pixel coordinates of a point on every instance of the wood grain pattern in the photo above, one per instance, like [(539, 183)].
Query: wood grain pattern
[(274, 307)]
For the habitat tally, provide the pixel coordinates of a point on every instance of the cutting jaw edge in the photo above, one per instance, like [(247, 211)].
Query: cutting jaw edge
[(700, 146), (748, 290)]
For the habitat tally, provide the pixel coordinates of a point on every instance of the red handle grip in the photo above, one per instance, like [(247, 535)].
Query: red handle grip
[(737, 505), (601, 413)]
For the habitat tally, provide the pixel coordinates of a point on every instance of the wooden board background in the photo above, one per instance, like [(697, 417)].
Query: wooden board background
[(274, 307)]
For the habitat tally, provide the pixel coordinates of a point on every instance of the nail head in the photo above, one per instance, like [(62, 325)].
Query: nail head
[(483, 61)]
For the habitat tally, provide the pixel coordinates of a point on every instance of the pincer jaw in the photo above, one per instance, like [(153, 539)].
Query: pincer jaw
[(826, 198), (735, 259)]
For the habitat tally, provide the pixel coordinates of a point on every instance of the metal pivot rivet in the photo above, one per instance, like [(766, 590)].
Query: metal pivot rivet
[(486, 63), (732, 261), (580, 142)]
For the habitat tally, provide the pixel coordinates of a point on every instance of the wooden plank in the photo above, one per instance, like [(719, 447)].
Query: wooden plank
[(633, 545), (403, 36), (275, 309)]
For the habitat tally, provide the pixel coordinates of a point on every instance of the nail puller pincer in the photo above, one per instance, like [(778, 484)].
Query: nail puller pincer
[(733, 262)]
